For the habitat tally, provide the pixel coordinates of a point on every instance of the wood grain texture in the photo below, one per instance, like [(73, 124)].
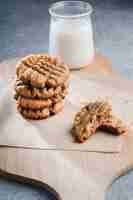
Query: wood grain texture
[(75, 175)]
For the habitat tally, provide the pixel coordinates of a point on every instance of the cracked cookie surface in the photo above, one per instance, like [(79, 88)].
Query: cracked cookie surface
[(34, 114), (33, 103), (114, 126), (96, 115), (27, 91), (40, 70), (40, 112)]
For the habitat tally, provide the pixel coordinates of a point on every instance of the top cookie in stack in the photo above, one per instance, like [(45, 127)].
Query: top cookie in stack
[(41, 86)]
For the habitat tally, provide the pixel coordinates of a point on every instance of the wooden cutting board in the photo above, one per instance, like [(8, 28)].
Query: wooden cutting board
[(54, 132), (75, 175)]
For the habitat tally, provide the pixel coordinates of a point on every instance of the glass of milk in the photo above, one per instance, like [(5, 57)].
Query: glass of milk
[(71, 33)]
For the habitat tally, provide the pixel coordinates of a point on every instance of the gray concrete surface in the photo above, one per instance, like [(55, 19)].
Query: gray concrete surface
[(11, 190), (24, 29)]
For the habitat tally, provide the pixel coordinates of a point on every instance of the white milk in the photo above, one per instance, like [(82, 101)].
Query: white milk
[(72, 41)]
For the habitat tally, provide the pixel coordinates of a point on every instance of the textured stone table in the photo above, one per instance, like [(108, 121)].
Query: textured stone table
[(24, 29)]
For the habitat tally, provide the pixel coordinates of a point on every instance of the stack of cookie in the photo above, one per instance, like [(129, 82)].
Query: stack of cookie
[(41, 86)]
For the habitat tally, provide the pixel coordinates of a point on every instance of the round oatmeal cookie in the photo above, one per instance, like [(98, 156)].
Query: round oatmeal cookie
[(43, 113), (28, 91), (41, 70), (34, 114), (33, 103)]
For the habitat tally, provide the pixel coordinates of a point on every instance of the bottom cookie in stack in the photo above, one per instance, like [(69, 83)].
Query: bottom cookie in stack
[(36, 103)]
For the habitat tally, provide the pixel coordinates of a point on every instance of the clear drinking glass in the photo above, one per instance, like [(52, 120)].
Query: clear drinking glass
[(71, 34)]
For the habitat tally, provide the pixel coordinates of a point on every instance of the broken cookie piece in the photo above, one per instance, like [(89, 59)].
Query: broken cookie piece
[(93, 116), (114, 126)]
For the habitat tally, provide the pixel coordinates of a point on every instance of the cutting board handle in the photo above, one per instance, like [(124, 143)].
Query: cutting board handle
[(30, 182)]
